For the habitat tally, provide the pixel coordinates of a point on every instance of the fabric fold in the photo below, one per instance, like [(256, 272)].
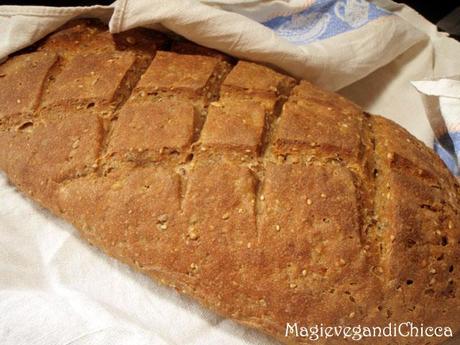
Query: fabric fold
[(331, 43)]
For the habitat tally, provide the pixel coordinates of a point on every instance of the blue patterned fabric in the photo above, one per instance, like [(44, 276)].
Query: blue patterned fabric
[(446, 157), (325, 18)]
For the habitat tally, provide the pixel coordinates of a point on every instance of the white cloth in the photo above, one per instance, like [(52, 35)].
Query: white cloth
[(56, 290), (331, 63), (447, 92)]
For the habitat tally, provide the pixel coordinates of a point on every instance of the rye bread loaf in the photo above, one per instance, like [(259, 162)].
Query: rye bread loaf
[(265, 198)]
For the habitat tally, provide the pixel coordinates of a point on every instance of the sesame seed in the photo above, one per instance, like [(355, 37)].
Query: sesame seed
[(18, 101), (163, 218), (390, 155), (117, 185), (352, 315), (433, 271), (432, 281), (193, 236), (130, 40), (277, 227), (323, 195), (163, 226), (304, 273), (75, 144), (262, 302), (249, 245), (392, 237), (342, 261), (292, 285), (309, 202), (450, 225), (226, 216), (438, 232), (377, 270), (262, 197)]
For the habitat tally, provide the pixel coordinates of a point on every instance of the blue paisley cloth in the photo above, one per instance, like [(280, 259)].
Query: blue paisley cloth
[(450, 161), (324, 19), (327, 18)]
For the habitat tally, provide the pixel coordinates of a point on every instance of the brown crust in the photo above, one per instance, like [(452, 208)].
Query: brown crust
[(21, 81), (278, 203)]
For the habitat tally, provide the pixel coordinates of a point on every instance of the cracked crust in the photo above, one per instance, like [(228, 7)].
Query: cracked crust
[(21, 81), (266, 199)]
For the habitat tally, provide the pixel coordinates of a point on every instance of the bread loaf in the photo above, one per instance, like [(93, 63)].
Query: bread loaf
[(264, 198)]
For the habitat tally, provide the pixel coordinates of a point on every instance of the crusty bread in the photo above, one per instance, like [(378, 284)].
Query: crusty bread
[(266, 199)]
